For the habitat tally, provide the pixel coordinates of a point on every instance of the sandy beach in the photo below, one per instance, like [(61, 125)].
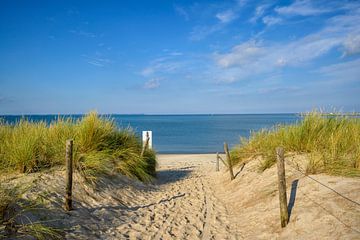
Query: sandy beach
[(190, 200)]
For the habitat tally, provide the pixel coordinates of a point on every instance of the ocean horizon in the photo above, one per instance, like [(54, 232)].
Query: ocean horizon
[(185, 133)]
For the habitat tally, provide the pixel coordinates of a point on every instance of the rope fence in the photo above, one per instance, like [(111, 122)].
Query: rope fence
[(324, 185), (284, 213)]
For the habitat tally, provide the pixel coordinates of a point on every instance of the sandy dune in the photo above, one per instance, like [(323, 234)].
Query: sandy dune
[(189, 200)]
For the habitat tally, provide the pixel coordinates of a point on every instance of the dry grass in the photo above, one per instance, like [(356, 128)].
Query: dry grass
[(331, 142), (14, 222), (99, 147)]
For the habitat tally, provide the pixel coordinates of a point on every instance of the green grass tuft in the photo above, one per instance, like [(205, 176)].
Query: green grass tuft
[(331, 142), (99, 147)]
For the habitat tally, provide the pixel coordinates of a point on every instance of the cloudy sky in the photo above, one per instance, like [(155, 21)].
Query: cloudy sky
[(169, 57)]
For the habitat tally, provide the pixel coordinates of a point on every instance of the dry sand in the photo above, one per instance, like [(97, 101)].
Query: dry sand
[(189, 200)]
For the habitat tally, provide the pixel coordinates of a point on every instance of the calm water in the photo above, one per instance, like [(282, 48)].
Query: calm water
[(190, 133)]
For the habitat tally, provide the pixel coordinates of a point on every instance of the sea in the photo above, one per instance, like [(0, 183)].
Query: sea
[(201, 133)]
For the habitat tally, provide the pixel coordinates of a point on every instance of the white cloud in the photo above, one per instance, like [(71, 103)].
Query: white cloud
[(242, 54), (175, 53), (147, 71), (4, 99), (352, 45), (226, 16), (97, 60), (152, 83), (201, 32), (291, 89), (242, 2), (259, 12), (303, 8), (269, 20), (251, 57), (83, 33), (342, 72), (162, 65), (182, 12)]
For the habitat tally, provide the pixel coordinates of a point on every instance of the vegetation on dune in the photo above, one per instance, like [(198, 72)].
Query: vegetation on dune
[(331, 143), (14, 219), (99, 147)]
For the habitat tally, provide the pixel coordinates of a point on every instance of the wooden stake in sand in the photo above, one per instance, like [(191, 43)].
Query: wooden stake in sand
[(217, 162), (69, 174), (229, 163), (284, 216)]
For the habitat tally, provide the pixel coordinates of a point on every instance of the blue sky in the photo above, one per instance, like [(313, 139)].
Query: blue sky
[(170, 57)]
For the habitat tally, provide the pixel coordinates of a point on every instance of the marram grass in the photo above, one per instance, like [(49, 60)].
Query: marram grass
[(14, 220), (99, 147), (332, 144)]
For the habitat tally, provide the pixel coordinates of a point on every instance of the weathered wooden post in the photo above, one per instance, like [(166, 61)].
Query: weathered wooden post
[(69, 174), (146, 144), (217, 162), (229, 163), (284, 216)]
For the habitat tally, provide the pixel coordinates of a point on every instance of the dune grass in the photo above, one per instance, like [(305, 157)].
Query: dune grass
[(100, 148), (332, 144), (14, 222)]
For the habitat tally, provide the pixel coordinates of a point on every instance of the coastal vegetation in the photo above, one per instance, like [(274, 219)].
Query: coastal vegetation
[(100, 148), (331, 144), (14, 216)]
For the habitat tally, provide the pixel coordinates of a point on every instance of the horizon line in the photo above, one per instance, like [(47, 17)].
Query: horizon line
[(142, 114)]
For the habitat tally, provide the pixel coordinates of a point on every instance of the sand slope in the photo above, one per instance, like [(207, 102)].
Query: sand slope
[(190, 200), (315, 211)]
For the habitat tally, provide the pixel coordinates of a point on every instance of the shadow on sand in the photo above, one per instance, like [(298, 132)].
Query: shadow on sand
[(164, 200), (163, 177), (241, 168), (291, 204), (172, 175)]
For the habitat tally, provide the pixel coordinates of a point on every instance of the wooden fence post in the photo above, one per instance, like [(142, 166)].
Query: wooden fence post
[(226, 148), (284, 216), (69, 174), (146, 144), (217, 162)]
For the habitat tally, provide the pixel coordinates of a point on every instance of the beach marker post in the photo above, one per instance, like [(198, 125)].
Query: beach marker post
[(228, 159), (69, 174), (284, 215), (147, 141), (217, 162)]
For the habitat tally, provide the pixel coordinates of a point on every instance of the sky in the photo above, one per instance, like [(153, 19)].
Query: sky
[(179, 57)]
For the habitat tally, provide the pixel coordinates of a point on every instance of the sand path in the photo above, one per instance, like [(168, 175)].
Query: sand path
[(181, 205)]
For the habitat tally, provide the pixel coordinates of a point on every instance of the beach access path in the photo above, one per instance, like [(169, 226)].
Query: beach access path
[(181, 204)]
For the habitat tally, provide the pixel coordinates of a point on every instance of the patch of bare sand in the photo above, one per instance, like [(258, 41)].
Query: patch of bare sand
[(189, 200)]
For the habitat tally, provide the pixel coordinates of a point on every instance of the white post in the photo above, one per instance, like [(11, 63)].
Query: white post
[(145, 134)]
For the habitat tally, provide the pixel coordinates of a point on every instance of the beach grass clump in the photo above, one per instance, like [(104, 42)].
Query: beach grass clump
[(14, 220), (100, 147), (332, 144)]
